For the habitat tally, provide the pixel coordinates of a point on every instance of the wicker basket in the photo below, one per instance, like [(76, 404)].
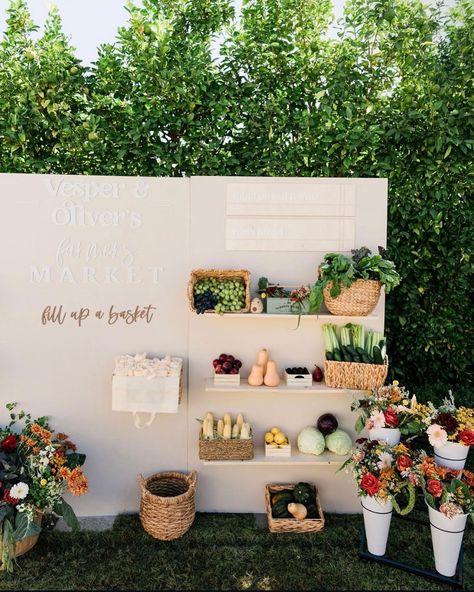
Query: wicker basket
[(291, 524), (353, 375), (358, 300), (27, 543), (220, 449), (220, 274), (167, 507)]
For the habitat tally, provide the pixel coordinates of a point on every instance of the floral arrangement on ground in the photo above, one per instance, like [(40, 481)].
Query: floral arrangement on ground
[(37, 466)]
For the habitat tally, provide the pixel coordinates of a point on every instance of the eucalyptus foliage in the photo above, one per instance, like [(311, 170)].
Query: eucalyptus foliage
[(190, 88)]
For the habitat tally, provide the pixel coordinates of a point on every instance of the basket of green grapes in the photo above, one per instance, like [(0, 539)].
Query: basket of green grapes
[(219, 291)]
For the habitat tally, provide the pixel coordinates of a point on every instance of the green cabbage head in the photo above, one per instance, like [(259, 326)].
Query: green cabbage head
[(339, 442), (311, 441)]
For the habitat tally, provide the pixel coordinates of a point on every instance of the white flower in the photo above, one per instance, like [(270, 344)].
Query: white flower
[(385, 461), (378, 419), (19, 491), (450, 510), (437, 435)]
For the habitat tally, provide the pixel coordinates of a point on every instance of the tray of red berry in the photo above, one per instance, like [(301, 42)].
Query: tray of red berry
[(227, 369)]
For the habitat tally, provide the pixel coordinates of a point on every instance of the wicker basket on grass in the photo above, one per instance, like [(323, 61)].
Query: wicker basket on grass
[(220, 449), (354, 375), (292, 524), (167, 507), (358, 300), (28, 542), (221, 274)]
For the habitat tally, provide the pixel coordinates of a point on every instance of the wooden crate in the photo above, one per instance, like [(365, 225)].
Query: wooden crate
[(281, 450)]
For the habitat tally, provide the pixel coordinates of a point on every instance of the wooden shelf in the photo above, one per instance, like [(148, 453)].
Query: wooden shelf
[(296, 458), (317, 388), (323, 316)]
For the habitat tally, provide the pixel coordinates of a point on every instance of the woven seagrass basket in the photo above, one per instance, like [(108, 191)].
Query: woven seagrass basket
[(221, 274), (167, 507), (358, 300), (291, 524), (220, 449), (354, 375), (27, 543)]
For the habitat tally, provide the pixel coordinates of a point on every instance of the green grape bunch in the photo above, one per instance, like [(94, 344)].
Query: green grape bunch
[(230, 293)]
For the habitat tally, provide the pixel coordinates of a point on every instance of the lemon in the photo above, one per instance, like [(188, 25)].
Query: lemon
[(280, 438), (268, 437), (275, 431)]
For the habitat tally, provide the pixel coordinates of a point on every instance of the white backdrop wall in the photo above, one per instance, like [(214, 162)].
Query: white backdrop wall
[(102, 245)]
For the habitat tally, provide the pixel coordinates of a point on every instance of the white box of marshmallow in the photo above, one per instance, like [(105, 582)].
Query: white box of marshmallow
[(147, 385)]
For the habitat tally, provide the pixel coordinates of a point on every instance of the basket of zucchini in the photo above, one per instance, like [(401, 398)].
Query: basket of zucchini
[(354, 359), (293, 508)]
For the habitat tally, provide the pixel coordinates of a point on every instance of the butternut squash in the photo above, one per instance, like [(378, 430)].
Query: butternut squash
[(298, 511), (240, 420), (220, 428), (256, 376), (235, 430), (226, 418), (262, 359), (272, 376)]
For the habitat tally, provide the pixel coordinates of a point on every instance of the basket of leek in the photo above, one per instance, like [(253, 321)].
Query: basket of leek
[(355, 359)]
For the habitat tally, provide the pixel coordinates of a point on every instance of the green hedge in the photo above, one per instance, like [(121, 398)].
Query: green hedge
[(188, 88)]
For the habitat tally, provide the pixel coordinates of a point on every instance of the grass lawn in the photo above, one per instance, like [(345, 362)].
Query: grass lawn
[(226, 552)]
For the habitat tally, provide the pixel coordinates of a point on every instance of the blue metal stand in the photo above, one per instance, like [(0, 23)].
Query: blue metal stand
[(456, 581)]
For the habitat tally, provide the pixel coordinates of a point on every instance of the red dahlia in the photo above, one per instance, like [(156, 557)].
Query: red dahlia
[(447, 421)]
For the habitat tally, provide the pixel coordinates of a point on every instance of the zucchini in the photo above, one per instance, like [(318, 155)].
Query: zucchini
[(377, 355), (337, 355), (352, 351), (329, 355), (366, 359), (346, 354)]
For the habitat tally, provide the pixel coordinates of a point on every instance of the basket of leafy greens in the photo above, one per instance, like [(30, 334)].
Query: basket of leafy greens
[(351, 286)]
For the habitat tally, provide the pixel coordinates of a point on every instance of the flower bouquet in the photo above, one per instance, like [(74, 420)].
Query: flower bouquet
[(389, 411), (451, 432), (449, 494), (36, 468), (384, 475)]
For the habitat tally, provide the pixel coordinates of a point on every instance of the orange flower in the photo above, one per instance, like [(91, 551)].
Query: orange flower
[(469, 477), (395, 396), (61, 436), (36, 450), (64, 472), (57, 461), (429, 468), (387, 474), (41, 432), (77, 482)]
